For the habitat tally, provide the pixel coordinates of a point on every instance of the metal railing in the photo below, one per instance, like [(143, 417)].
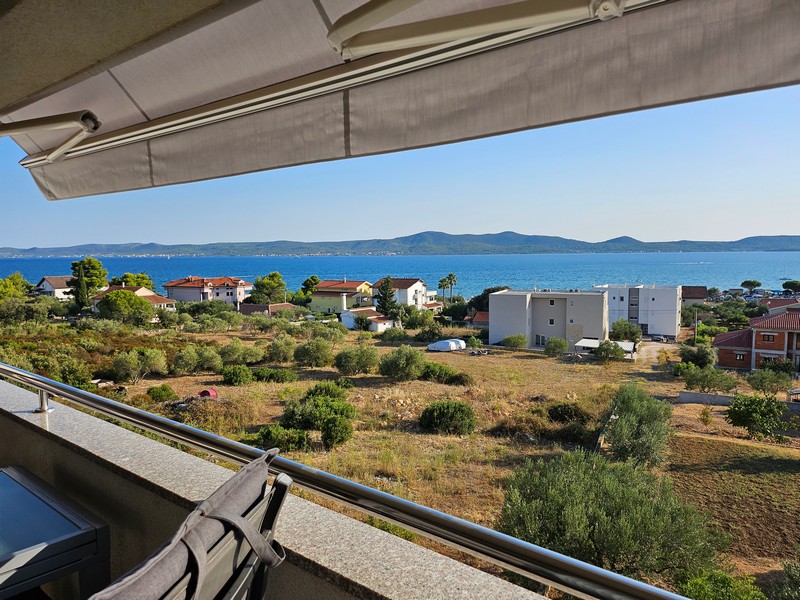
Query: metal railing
[(562, 572)]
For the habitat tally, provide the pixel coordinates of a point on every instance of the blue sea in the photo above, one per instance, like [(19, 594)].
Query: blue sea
[(474, 272)]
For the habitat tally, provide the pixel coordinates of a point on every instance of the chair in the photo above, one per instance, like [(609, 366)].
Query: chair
[(222, 550)]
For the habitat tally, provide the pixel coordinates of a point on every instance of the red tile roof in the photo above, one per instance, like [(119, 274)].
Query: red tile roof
[(779, 302), (694, 292), (128, 288), (481, 317), (199, 282), (788, 321), (349, 294), (399, 283), (735, 339), (57, 282), (371, 314), (156, 299), (339, 284), (433, 305)]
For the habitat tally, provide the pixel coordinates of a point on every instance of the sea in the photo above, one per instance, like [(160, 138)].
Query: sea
[(474, 272)]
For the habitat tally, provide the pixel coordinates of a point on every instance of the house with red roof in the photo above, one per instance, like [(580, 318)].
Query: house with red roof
[(197, 289), (693, 294), (409, 291), (770, 337), (480, 320), (779, 305), (54, 286), (143, 292), (337, 295), (377, 321)]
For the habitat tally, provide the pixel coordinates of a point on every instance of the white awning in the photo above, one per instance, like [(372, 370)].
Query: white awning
[(592, 344), (251, 86)]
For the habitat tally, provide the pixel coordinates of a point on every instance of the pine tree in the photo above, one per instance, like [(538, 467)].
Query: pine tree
[(387, 305), (81, 291)]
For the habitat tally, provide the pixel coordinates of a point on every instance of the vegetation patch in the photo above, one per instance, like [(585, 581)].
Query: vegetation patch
[(451, 417)]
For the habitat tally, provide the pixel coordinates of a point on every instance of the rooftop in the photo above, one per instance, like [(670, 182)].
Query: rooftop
[(735, 339), (199, 282)]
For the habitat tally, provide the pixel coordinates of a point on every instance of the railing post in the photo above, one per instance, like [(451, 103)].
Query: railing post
[(44, 403)]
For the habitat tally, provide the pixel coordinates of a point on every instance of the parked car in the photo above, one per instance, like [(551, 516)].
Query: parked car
[(658, 338)]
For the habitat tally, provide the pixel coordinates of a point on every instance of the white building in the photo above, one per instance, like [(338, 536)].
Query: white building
[(655, 309), (377, 322), (54, 286), (539, 315), (411, 292), (197, 289)]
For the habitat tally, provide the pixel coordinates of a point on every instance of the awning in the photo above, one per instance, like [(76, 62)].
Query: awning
[(592, 344), (249, 86)]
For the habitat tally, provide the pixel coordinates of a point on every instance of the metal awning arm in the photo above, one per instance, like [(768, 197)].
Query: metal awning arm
[(84, 121)]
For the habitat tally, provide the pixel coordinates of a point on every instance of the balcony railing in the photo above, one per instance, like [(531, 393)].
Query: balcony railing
[(562, 572)]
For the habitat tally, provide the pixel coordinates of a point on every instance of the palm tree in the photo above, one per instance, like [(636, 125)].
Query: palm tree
[(452, 281), (444, 283)]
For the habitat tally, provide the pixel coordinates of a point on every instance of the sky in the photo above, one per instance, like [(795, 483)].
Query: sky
[(720, 169)]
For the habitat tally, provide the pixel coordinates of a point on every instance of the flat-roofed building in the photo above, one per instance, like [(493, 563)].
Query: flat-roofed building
[(655, 309), (542, 314)]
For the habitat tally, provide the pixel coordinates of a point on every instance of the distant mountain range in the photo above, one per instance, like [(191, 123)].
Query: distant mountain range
[(427, 242)]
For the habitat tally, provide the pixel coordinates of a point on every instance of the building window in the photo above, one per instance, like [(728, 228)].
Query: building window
[(653, 299), (551, 321), (571, 321), (767, 337), (739, 356), (572, 302), (552, 302)]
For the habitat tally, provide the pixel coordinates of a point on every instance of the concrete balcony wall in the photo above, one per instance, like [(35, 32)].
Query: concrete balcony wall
[(144, 489)]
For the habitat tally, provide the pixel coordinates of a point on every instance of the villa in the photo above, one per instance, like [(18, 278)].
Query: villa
[(197, 289)]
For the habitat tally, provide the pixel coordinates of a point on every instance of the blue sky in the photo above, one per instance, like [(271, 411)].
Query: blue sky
[(716, 170)]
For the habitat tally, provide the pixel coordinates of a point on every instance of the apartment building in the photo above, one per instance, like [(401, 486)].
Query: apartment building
[(197, 289), (655, 309), (572, 315), (770, 337)]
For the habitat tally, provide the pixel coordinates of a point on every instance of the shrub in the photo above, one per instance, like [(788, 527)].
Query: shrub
[(231, 353), (625, 330), (282, 348), (611, 515), (448, 417), (316, 352), (336, 430), (607, 351), (237, 375), (429, 333), (780, 365), (789, 588), (394, 334), (332, 332), (252, 354), (312, 412), (516, 341), (568, 412), (555, 346), (760, 416), (329, 389), (403, 364), (433, 371), (345, 383), (769, 382), (640, 431), (162, 393), (681, 369), (136, 364), (208, 359), (706, 417), (709, 379), (275, 436), (464, 379), (363, 336), (713, 584), (352, 361), (185, 361), (702, 356), (473, 342), (276, 375)]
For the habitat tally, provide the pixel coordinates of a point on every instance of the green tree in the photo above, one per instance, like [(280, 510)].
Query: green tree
[(702, 356), (403, 364), (612, 515), (792, 286), (134, 279), (268, 289), (281, 349), (316, 352), (708, 379), (481, 301), (93, 272), (186, 361), (352, 361), (750, 284), (125, 306), (608, 351), (769, 382), (789, 587), (452, 281), (443, 285), (623, 330), (518, 340), (386, 302), (136, 364), (310, 284), (760, 416), (639, 427), (713, 584), (81, 291), (14, 286), (555, 346)]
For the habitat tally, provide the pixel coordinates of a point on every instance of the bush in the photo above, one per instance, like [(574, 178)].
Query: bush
[(433, 371), (516, 341), (780, 365), (275, 436), (231, 353), (448, 417), (329, 389), (312, 412), (345, 383), (336, 430), (639, 433), (363, 336), (162, 393), (615, 516), (136, 364), (394, 334), (568, 412), (709, 379), (464, 379), (555, 346), (316, 352), (681, 369), (208, 359), (607, 351), (769, 382), (237, 375), (702, 356), (403, 364), (352, 361), (252, 355), (331, 332), (276, 375), (473, 342), (789, 588), (760, 416), (713, 584), (430, 333), (282, 348)]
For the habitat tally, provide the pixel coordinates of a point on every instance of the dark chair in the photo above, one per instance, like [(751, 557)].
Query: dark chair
[(223, 550)]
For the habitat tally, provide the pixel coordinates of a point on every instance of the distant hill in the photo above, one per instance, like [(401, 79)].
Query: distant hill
[(426, 242)]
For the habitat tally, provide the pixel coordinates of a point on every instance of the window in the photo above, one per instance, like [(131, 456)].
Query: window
[(572, 302), (552, 302), (739, 356), (768, 337), (571, 321), (622, 298), (551, 321), (653, 299)]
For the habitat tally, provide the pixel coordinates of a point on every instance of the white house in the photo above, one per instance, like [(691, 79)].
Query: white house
[(571, 315), (196, 289), (411, 292), (54, 286), (378, 322), (655, 309), (156, 300)]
